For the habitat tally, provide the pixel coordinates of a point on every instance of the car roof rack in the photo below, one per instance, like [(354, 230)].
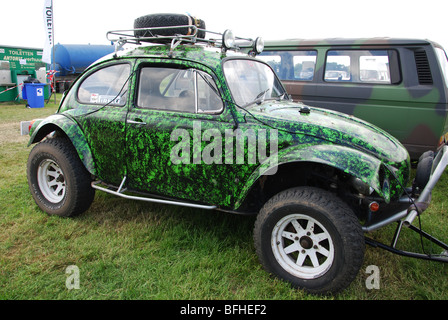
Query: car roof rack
[(225, 41)]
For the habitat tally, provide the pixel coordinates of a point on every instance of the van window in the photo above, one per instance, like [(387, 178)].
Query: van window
[(291, 65), (360, 66), (374, 68), (337, 67), (443, 64)]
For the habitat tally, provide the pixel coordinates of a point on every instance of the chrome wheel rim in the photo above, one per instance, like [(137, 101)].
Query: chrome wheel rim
[(51, 181), (302, 246)]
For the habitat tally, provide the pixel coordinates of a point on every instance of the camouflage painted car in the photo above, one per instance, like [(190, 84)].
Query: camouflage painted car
[(195, 122), (400, 85)]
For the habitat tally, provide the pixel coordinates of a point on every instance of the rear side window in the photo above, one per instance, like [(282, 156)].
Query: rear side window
[(362, 66), (106, 86), (291, 65)]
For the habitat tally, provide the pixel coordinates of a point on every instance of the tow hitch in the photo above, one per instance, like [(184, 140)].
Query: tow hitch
[(406, 217)]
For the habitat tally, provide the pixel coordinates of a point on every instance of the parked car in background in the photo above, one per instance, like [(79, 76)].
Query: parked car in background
[(399, 85)]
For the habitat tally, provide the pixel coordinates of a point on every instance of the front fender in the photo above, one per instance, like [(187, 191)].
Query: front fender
[(70, 128), (351, 161)]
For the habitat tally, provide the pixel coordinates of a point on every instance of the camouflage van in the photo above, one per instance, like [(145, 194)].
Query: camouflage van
[(399, 85)]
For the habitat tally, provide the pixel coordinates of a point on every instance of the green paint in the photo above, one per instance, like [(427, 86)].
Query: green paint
[(143, 150)]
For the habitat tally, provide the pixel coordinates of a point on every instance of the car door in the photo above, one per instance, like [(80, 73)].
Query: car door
[(101, 98), (174, 135)]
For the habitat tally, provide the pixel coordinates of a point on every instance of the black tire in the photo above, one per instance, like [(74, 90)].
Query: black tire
[(167, 20), (58, 180), (424, 169), (310, 238)]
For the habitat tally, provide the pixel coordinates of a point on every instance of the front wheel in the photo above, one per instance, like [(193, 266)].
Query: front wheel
[(310, 238), (58, 181)]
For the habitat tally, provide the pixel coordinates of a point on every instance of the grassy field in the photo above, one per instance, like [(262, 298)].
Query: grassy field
[(134, 250)]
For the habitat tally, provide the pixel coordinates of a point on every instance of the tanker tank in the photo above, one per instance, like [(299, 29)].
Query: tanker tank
[(73, 59)]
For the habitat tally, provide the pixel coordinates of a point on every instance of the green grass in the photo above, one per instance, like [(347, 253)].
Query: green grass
[(135, 250)]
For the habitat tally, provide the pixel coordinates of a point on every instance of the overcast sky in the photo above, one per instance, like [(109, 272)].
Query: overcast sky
[(87, 21)]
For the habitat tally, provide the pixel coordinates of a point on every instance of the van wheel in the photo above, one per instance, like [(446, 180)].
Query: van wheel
[(167, 20), (58, 180), (310, 238)]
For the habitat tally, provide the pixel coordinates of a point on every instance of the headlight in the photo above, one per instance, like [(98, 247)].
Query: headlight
[(386, 189), (361, 186), (228, 39), (259, 45)]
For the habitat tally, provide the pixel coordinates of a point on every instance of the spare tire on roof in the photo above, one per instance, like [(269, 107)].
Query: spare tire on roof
[(167, 20)]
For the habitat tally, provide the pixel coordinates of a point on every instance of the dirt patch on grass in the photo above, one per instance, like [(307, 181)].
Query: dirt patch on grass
[(10, 133)]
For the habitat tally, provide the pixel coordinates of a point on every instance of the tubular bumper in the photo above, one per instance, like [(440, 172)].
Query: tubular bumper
[(440, 163), (417, 205), (407, 216)]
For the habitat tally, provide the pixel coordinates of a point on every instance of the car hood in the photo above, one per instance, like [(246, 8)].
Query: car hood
[(331, 126)]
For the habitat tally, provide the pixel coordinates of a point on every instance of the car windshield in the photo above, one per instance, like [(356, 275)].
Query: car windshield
[(252, 81)]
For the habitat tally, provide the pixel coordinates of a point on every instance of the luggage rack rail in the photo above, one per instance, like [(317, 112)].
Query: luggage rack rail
[(225, 40)]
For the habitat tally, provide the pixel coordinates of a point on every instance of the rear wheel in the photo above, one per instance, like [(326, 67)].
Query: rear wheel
[(57, 179), (310, 238)]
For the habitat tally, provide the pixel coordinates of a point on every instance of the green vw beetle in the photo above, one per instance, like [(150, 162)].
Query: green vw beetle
[(174, 118)]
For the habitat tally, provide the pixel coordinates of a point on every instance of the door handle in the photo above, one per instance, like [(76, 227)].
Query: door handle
[(136, 121)]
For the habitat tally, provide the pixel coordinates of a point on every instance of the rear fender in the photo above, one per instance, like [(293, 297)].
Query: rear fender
[(71, 129)]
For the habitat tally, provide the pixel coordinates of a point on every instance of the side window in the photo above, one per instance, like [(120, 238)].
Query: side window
[(441, 56), (106, 86), (374, 68), (337, 67), (209, 100), (362, 66), (304, 65), (166, 89), (183, 90), (291, 65)]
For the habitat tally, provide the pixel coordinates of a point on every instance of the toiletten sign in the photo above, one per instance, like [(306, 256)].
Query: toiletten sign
[(49, 30), (21, 58)]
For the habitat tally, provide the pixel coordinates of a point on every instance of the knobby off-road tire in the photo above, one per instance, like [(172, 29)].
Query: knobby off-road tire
[(58, 181), (167, 20), (310, 238)]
